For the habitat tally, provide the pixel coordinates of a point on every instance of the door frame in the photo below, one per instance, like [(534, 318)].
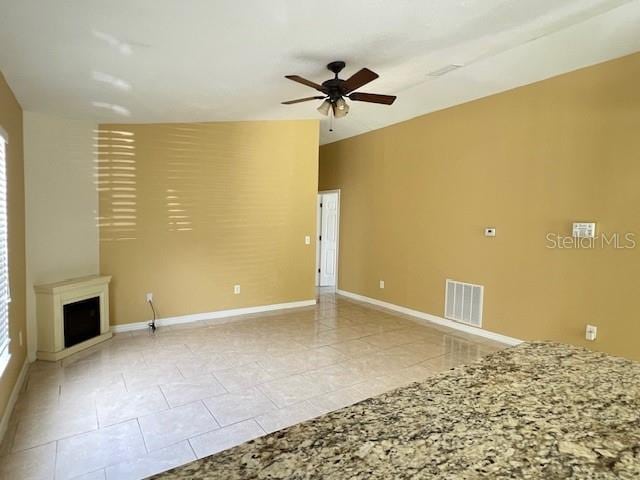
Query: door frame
[(318, 247)]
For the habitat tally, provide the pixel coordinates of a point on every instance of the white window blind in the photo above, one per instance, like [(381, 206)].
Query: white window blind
[(4, 261)]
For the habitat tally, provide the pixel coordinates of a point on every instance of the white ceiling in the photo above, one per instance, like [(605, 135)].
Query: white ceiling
[(207, 60)]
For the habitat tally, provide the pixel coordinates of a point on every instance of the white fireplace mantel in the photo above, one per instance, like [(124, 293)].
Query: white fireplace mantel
[(50, 301)]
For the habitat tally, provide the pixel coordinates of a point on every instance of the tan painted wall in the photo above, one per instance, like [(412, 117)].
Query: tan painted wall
[(417, 195), (189, 210), (11, 122)]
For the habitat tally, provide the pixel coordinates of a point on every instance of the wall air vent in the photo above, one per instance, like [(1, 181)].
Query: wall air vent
[(444, 70), (463, 302)]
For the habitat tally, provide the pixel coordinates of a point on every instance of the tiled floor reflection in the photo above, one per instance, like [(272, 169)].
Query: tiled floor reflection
[(140, 403)]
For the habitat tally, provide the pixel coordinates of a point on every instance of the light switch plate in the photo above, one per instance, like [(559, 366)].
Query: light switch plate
[(307, 240), (381, 283), (490, 232), (591, 332), (236, 289)]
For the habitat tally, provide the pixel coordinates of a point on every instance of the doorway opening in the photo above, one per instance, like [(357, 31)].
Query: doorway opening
[(328, 228)]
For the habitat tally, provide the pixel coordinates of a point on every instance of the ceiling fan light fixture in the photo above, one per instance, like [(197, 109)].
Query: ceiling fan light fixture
[(324, 107), (340, 108)]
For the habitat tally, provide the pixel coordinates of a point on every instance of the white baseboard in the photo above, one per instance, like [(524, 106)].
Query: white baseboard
[(195, 317), (427, 317), (13, 398)]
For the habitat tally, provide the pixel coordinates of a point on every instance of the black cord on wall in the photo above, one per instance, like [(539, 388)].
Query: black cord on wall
[(152, 323)]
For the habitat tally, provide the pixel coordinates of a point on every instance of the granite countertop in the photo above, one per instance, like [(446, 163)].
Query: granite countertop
[(539, 410)]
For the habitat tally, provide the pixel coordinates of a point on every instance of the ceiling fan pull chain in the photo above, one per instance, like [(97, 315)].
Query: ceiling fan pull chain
[(331, 121)]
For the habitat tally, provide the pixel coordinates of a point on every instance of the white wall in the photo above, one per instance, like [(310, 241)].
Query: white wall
[(61, 204)]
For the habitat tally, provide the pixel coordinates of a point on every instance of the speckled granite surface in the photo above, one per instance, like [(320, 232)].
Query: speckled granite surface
[(539, 410)]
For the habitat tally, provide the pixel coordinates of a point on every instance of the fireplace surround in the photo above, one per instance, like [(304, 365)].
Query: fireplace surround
[(72, 315)]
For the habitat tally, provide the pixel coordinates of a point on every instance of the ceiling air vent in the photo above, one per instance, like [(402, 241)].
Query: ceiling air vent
[(444, 70), (463, 302)]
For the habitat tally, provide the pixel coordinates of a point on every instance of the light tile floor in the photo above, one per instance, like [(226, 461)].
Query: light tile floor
[(143, 403)]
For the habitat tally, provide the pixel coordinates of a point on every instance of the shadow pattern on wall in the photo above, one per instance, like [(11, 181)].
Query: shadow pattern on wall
[(188, 211), (116, 182)]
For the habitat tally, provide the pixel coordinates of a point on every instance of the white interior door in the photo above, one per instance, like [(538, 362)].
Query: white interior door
[(318, 233), (329, 239)]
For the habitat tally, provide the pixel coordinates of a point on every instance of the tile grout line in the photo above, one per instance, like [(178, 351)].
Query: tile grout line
[(210, 413), (191, 447), (216, 379), (165, 397), (144, 440), (55, 440), (55, 462)]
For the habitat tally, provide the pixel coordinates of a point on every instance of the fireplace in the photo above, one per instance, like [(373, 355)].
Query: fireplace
[(81, 321), (72, 315)]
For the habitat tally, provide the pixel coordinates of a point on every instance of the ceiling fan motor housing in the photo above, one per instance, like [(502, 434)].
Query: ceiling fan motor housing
[(335, 85), (335, 88)]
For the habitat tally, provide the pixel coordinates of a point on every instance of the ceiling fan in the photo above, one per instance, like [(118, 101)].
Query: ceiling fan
[(335, 90)]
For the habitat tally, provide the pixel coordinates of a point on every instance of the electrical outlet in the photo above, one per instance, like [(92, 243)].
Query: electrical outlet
[(591, 333), (236, 289), (381, 283), (149, 297)]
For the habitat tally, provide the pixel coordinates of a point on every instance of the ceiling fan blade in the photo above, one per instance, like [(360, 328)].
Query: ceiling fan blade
[(304, 81), (359, 79), (373, 98), (291, 102)]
